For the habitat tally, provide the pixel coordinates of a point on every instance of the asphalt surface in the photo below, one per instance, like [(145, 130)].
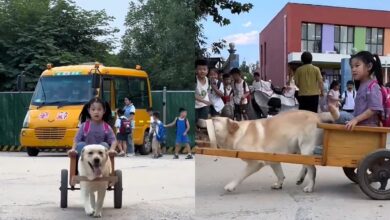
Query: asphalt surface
[(152, 189), (334, 196)]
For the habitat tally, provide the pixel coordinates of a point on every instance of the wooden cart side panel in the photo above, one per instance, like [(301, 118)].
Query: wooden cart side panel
[(347, 148), (273, 157), (338, 127), (325, 145)]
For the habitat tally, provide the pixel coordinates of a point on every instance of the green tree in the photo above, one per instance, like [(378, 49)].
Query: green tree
[(213, 8), (160, 37), (36, 32), (246, 72)]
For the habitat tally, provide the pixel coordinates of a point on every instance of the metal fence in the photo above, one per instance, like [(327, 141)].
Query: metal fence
[(14, 105)]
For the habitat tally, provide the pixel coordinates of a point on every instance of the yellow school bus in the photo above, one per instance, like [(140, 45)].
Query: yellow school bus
[(53, 116)]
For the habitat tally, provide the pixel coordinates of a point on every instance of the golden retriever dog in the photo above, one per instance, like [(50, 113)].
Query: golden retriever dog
[(94, 162), (290, 132)]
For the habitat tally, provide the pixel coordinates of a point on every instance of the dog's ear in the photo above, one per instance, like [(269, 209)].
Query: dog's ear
[(82, 155), (232, 126)]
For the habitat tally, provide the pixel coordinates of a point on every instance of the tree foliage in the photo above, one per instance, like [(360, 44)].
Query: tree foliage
[(160, 37), (213, 8), (35, 32)]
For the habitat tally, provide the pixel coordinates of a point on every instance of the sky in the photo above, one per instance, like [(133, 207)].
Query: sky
[(244, 28)]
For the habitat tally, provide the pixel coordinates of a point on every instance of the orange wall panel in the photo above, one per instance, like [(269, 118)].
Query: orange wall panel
[(387, 42)]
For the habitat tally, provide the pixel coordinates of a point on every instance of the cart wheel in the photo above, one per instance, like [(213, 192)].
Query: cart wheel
[(374, 173), (32, 152), (351, 173), (64, 188), (118, 190)]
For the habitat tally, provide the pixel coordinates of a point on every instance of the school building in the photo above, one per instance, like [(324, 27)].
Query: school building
[(329, 33)]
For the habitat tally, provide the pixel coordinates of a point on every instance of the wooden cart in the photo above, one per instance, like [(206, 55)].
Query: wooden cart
[(114, 182), (361, 153)]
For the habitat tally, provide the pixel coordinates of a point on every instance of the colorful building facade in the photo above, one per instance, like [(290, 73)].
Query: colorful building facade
[(329, 33)]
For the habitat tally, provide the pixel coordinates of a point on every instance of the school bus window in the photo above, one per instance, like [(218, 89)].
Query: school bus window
[(107, 90), (139, 93), (122, 90)]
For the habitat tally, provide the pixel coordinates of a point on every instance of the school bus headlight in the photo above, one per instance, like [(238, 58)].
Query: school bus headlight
[(26, 121)]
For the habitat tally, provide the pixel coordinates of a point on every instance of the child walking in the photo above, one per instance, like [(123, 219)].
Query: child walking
[(202, 100), (156, 147), (215, 93), (94, 128), (131, 135), (121, 124), (182, 128), (367, 71), (240, 95), (334, 94)]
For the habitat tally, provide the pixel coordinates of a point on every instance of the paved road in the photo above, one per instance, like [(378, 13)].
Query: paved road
[(335, 197), (153, 189)]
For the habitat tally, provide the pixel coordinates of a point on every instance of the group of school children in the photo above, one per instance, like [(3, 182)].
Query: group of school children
[(218, 94), (95, 129)]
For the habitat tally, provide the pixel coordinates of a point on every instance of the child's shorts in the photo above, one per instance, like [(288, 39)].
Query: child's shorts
[(344, 118), (81, 145), (122, 137), (182, 139)]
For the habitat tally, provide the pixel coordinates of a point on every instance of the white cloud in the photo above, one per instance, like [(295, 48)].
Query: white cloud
[(243, 38), (247, 24)]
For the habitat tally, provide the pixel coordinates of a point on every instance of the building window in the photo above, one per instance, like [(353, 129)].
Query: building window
[(343, 39), (374, 40), (311, 37)]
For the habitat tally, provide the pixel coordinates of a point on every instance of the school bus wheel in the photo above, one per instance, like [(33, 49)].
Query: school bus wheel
[(32, 152)]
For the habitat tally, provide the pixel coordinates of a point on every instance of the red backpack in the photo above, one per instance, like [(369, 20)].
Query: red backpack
[(125, 127), (385, 118), (87, 127)]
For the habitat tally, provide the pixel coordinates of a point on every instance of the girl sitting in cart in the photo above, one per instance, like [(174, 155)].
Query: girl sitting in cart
[(94, 128), (367, 71)]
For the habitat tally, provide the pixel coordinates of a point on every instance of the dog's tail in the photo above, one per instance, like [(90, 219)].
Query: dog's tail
[(331, 116)]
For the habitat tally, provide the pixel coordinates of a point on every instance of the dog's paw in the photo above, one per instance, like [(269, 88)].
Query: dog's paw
[(299, 182), (230, 187), (97, 215), (277, 186), (90, 213), (308, 189)]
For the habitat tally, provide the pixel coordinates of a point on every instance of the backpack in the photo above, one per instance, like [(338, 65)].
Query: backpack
[(244, 86), (385, 117), (125, 127), (87, 127), (161, 134)]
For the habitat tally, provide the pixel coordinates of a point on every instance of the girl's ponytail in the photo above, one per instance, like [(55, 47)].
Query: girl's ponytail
[(377, 67), (84, 115), (107, 117)]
